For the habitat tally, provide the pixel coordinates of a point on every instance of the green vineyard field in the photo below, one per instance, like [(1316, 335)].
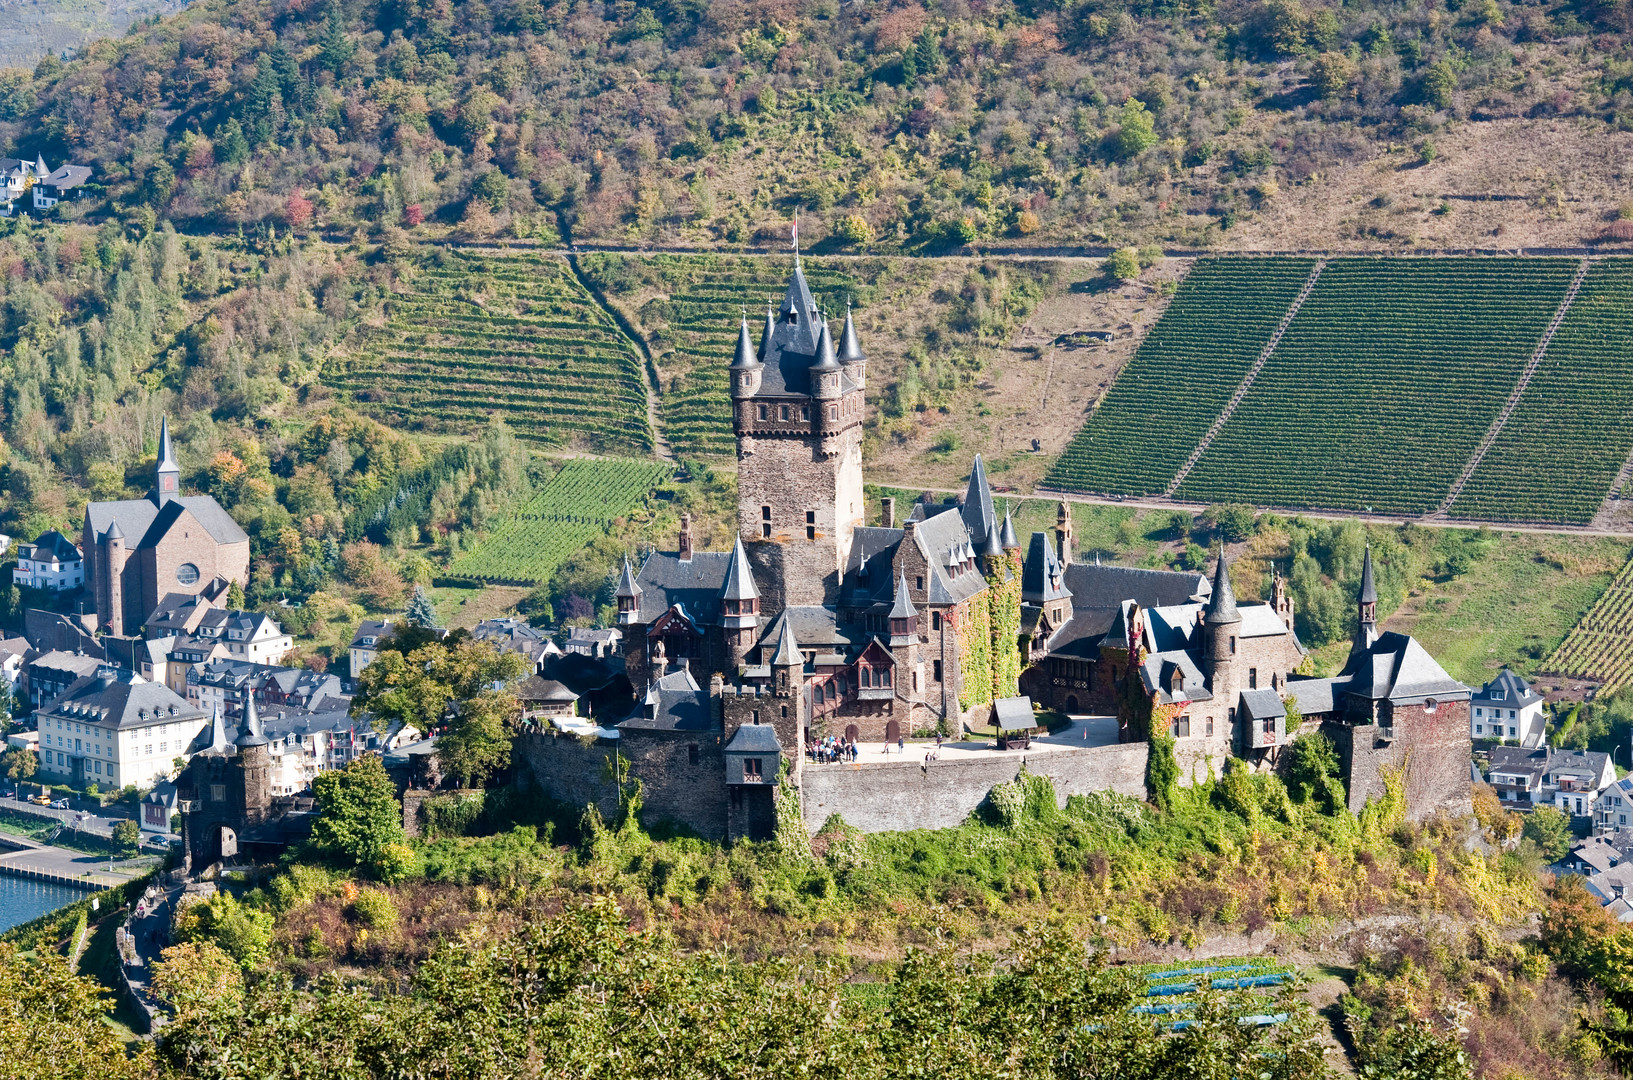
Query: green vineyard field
[(1600, 646), (572, 509), (1384, 384), (477, 336), (1181, 377), (1563, 447), (694, 329)]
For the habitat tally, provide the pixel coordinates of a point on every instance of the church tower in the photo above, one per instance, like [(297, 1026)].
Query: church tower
[(167, 477), (1366, 632), (797, 405)]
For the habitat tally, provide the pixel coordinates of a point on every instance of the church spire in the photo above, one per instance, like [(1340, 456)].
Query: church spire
[(167, 477), (979, 516), (1366, 632)]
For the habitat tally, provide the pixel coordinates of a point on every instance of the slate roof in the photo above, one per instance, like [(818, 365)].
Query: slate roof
[(146, 519), (538, 688), (53, 545), (903, 608), (370, 632), (1507, 689), (673, 703), (1158, 670), (1014, 714), (121, 699), (1260, 620), (696, 584), (1262, 704), (980, 518), (1222, 604), (1369, 591), (940, 538), (754, 739), (1397, 668), (740, 577), (1042, 577), (68, 176), (792, 349), (868, 569), (1095, 587), (1589, 763), (1314, 696)]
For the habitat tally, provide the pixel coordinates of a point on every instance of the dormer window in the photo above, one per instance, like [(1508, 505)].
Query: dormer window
[(793, 317)]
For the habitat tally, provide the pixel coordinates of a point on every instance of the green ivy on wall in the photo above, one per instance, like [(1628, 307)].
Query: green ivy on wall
[(973, 622), (1004, 613)]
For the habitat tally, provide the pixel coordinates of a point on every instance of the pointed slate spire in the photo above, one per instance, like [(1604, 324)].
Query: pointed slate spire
[(1222, 604), (994, 548), (626, 582), (979, 516), (788, 654), (219, 743), (850, 349), (825, 361), (166, 457), (904, 608), (746, 356), (167, 477), (765, 335), (114, 531), (1369, 591), (740, 578), (251, 735), (1009, 539)]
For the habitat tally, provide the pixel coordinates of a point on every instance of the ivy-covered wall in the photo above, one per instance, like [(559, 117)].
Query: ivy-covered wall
[(1004, 613), (973, 623)]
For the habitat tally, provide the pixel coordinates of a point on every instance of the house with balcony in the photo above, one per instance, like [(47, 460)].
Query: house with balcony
[(1570, 780), (1613, 809), (1509, 710)]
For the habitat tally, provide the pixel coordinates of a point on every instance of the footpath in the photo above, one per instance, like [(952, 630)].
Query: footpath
[(21, 857)]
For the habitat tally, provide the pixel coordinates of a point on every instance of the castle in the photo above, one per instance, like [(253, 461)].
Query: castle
[(817, 624)]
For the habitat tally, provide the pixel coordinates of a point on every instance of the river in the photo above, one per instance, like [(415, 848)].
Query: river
[(22, 899)]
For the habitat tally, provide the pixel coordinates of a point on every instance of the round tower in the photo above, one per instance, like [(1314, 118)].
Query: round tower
[(114, 544), (746, 366), (1222, 624)]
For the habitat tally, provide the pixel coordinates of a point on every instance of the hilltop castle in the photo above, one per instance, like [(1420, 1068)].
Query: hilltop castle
[(816, 624)]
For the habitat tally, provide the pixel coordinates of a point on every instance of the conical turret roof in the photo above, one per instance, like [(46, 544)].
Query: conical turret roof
[(979, 516), (747, 356), (219, 743), (1222, 605), (788, 654), (825, 361), (167, 459), (994, 547), (626, 581), (251, 735), (1369, 591), (740, 578), (904, 608), (114, 531), (850, 349), (1009, 539)]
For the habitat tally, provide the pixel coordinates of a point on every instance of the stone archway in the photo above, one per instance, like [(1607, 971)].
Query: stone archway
[(1071, 703), (226, 844), (893, 730)]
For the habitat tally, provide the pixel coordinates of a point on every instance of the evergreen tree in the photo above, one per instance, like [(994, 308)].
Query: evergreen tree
[(421, 612), (231, 147)]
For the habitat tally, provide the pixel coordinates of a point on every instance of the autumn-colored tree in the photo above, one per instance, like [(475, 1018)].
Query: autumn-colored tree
[(53, 1023), (298, 210)]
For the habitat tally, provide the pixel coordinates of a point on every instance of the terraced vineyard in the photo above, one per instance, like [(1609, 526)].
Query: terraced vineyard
[(1182, 376), (696, 329), (511, 336), (1560, 452), (1384, 384), (1600, 647), (572, 509)]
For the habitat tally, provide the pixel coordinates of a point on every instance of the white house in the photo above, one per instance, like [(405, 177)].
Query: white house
[(1613, 809), (59, 184), (1570, 780), (366, 643), (1508, 710), (255, 637), (52, 562), (115, 728)]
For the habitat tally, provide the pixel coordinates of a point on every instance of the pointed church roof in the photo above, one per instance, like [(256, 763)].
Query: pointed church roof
[(788, 654), (765, 335), (1369, 591), (1010, 541), (167, 459), (904, 608), (740, 578), (251, 735), (746, 356), (850, 349), (825, 361), (1222, 604), (114, 531), (979, 515), (626, 582)]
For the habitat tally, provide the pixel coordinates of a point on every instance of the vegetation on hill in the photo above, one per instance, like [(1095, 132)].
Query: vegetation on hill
[(904, 125)]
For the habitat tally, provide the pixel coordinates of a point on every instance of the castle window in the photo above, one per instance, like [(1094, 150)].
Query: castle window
[(810, 524), (751, 769), (764, 412), (935, 620), (805, 412), (1252, 678), (884, 676), (817, 693), (691, 753), (1270, 725), (784, 412), (867, 677), (1210, 725), (937, 671), (918, 583), (755, 716), (1180, 727), (1233, 644), (833, 412), (218, 792)]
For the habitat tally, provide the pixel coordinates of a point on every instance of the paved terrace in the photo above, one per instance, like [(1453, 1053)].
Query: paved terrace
[(1086, 731)]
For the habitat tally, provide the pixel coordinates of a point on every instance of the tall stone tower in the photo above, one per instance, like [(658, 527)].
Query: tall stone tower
[(1222, 624), (797, 407)]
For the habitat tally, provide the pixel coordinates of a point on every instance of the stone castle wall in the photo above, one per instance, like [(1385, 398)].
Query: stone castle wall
[(1433, 749), (896, 797)]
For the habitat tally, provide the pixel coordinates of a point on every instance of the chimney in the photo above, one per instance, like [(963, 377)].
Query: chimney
[(887, 512), (686, 538)]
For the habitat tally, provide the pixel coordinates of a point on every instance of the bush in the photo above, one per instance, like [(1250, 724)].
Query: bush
[(1123, 264), (375, 909), (854, 230), (1136, 130), (1550, 830), (127, 836)]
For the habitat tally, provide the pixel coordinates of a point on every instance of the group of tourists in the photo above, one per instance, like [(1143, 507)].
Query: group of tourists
[(832, 748)]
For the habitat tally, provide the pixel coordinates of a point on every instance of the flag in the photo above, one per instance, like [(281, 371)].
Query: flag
[(793, 234)]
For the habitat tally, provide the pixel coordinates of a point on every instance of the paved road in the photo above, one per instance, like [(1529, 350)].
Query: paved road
[(99, 824), (63, 864)]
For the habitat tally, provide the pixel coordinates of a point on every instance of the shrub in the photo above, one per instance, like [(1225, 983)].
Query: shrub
[(1123, 264), (1136, 130), (854, 230), (1550, 830), (375, 909)]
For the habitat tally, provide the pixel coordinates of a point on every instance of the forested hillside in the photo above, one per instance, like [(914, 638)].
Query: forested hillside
[(894, 125)]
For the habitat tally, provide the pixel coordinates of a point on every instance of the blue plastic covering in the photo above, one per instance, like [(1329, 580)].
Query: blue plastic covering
[(1252, 980), (1200, 971)]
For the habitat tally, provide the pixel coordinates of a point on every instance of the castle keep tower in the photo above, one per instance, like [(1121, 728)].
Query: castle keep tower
[(797, 406)]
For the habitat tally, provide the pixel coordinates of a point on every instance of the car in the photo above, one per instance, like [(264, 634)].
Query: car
[(61, 804), (40, 800), (162, 842)]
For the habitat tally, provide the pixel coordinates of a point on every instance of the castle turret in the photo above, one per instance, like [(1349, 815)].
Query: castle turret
[(1063, 533), (746, 367), (1366, 632), (1008, 538), (167, 477), (788, 666), (113, 559), (740, 604), (1280, 599), (979, 516), (255, 758), (850, 352), (685, 547), (825, 377), (904, 617), (629, 597), (1221, 623)]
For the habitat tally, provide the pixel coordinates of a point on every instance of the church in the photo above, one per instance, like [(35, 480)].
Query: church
[(138, 551)]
